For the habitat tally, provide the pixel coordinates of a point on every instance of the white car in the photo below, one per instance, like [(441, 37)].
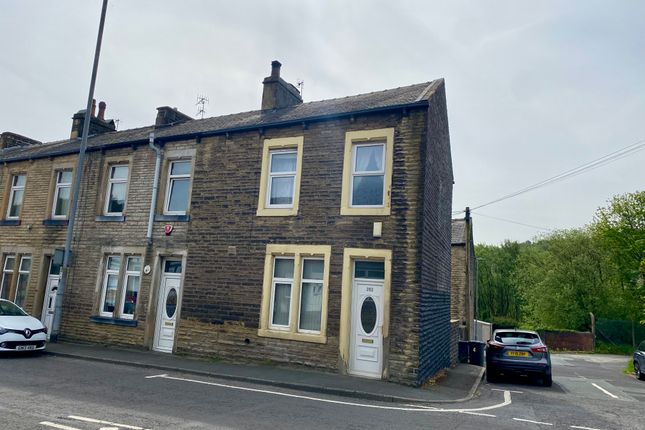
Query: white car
[(20, 331)]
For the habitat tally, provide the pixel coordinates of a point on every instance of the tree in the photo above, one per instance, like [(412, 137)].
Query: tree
[(562, 278), (498, 298), (620, 230)]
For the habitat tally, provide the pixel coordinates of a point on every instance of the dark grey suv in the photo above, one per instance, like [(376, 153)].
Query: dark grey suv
[(520, 352), (639, 361)]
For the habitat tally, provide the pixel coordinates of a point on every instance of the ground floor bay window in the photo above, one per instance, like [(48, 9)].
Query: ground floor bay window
[(294, 293)]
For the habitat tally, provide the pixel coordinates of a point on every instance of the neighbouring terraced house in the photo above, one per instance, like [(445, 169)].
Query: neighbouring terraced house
[(311, 233)]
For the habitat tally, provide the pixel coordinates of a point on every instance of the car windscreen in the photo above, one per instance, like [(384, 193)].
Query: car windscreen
[(8, 309), (517, 338)]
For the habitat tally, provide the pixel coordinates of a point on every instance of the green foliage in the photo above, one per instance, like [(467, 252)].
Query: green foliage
[(561, 278), (620, 229), (629, 369), (610, 348), (497, 294)]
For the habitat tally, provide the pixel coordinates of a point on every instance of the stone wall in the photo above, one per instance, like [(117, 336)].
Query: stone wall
[(434, 301)]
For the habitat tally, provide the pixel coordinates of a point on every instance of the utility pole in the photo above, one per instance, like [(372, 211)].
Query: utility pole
[(58, 309)]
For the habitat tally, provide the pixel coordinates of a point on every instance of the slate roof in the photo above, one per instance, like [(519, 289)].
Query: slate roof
[(458, 232), (409, 96)]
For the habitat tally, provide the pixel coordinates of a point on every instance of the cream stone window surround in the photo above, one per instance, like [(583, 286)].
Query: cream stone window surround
[(299, 254), (285, 145), (364, 139)]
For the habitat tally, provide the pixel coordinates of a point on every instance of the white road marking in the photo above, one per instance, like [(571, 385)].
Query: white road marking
[(583, 428), (533, 422), (157, 376), (57, 426), (480, 414), (604, 391), (95, 421), (510, 391), (407, 408)]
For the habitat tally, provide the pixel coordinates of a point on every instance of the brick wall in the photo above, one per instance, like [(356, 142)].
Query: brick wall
[(434, 300), (568, 341)]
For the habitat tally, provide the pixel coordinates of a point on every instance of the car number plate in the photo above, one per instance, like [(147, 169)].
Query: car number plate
[(518, 354), (25, 347)]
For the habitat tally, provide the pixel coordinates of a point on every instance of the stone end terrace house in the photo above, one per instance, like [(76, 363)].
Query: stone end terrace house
[(310, 233)]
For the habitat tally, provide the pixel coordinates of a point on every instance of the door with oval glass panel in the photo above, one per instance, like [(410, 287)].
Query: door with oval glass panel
[(366, 352), (51, 289), (168, 306)]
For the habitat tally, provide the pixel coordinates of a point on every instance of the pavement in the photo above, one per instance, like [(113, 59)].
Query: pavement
[(459, 384)]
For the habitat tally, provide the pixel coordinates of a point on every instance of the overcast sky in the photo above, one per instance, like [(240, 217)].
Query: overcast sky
[(534, 88)]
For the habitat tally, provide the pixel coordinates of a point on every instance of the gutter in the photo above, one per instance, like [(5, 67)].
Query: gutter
[(199, 135), (155, 187)]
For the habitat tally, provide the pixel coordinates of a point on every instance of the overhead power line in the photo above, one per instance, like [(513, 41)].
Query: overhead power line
[(594, 164), (515, 222)]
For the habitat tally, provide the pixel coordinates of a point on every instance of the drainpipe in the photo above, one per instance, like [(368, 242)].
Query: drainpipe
[(155, 187)]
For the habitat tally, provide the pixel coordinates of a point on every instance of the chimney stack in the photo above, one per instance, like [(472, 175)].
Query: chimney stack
[(102, 107), (277, 92), (98, 125)]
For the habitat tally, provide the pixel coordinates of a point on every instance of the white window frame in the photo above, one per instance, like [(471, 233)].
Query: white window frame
[(272, 175), (111, 182), (124, 287), (356, 173), (275, 281), (171, 178), (6, 272), (12, 195), (321, 282), (106, 272), (22, 272), (58, 187)]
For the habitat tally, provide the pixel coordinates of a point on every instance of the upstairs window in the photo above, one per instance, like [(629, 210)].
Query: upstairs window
[(367, 172), (280, 177), (62, 192), (117, 189), (178, 187), (16, 196), (368, 175)]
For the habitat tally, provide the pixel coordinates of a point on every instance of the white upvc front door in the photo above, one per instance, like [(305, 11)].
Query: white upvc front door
[(49, 300), (366, 340), (167, 309)]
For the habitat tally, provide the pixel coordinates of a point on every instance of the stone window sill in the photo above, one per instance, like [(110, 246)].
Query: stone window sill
[(113, 321), (110, 218), (172, 218), (9, 222), (55, 222)]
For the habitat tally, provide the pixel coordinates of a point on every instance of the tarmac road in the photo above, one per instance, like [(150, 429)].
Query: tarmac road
[(45, 392)]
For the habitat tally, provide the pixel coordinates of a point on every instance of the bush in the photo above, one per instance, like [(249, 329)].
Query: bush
[(610, 348)]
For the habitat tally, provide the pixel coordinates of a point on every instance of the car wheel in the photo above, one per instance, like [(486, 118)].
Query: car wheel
[(638, 371), (547, 380)]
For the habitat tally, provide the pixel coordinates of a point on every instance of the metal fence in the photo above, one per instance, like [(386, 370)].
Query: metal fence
[(620, 332)]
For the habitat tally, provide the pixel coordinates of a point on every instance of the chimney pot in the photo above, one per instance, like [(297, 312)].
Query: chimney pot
[(93, 114), (275, 69), (102, 107)]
